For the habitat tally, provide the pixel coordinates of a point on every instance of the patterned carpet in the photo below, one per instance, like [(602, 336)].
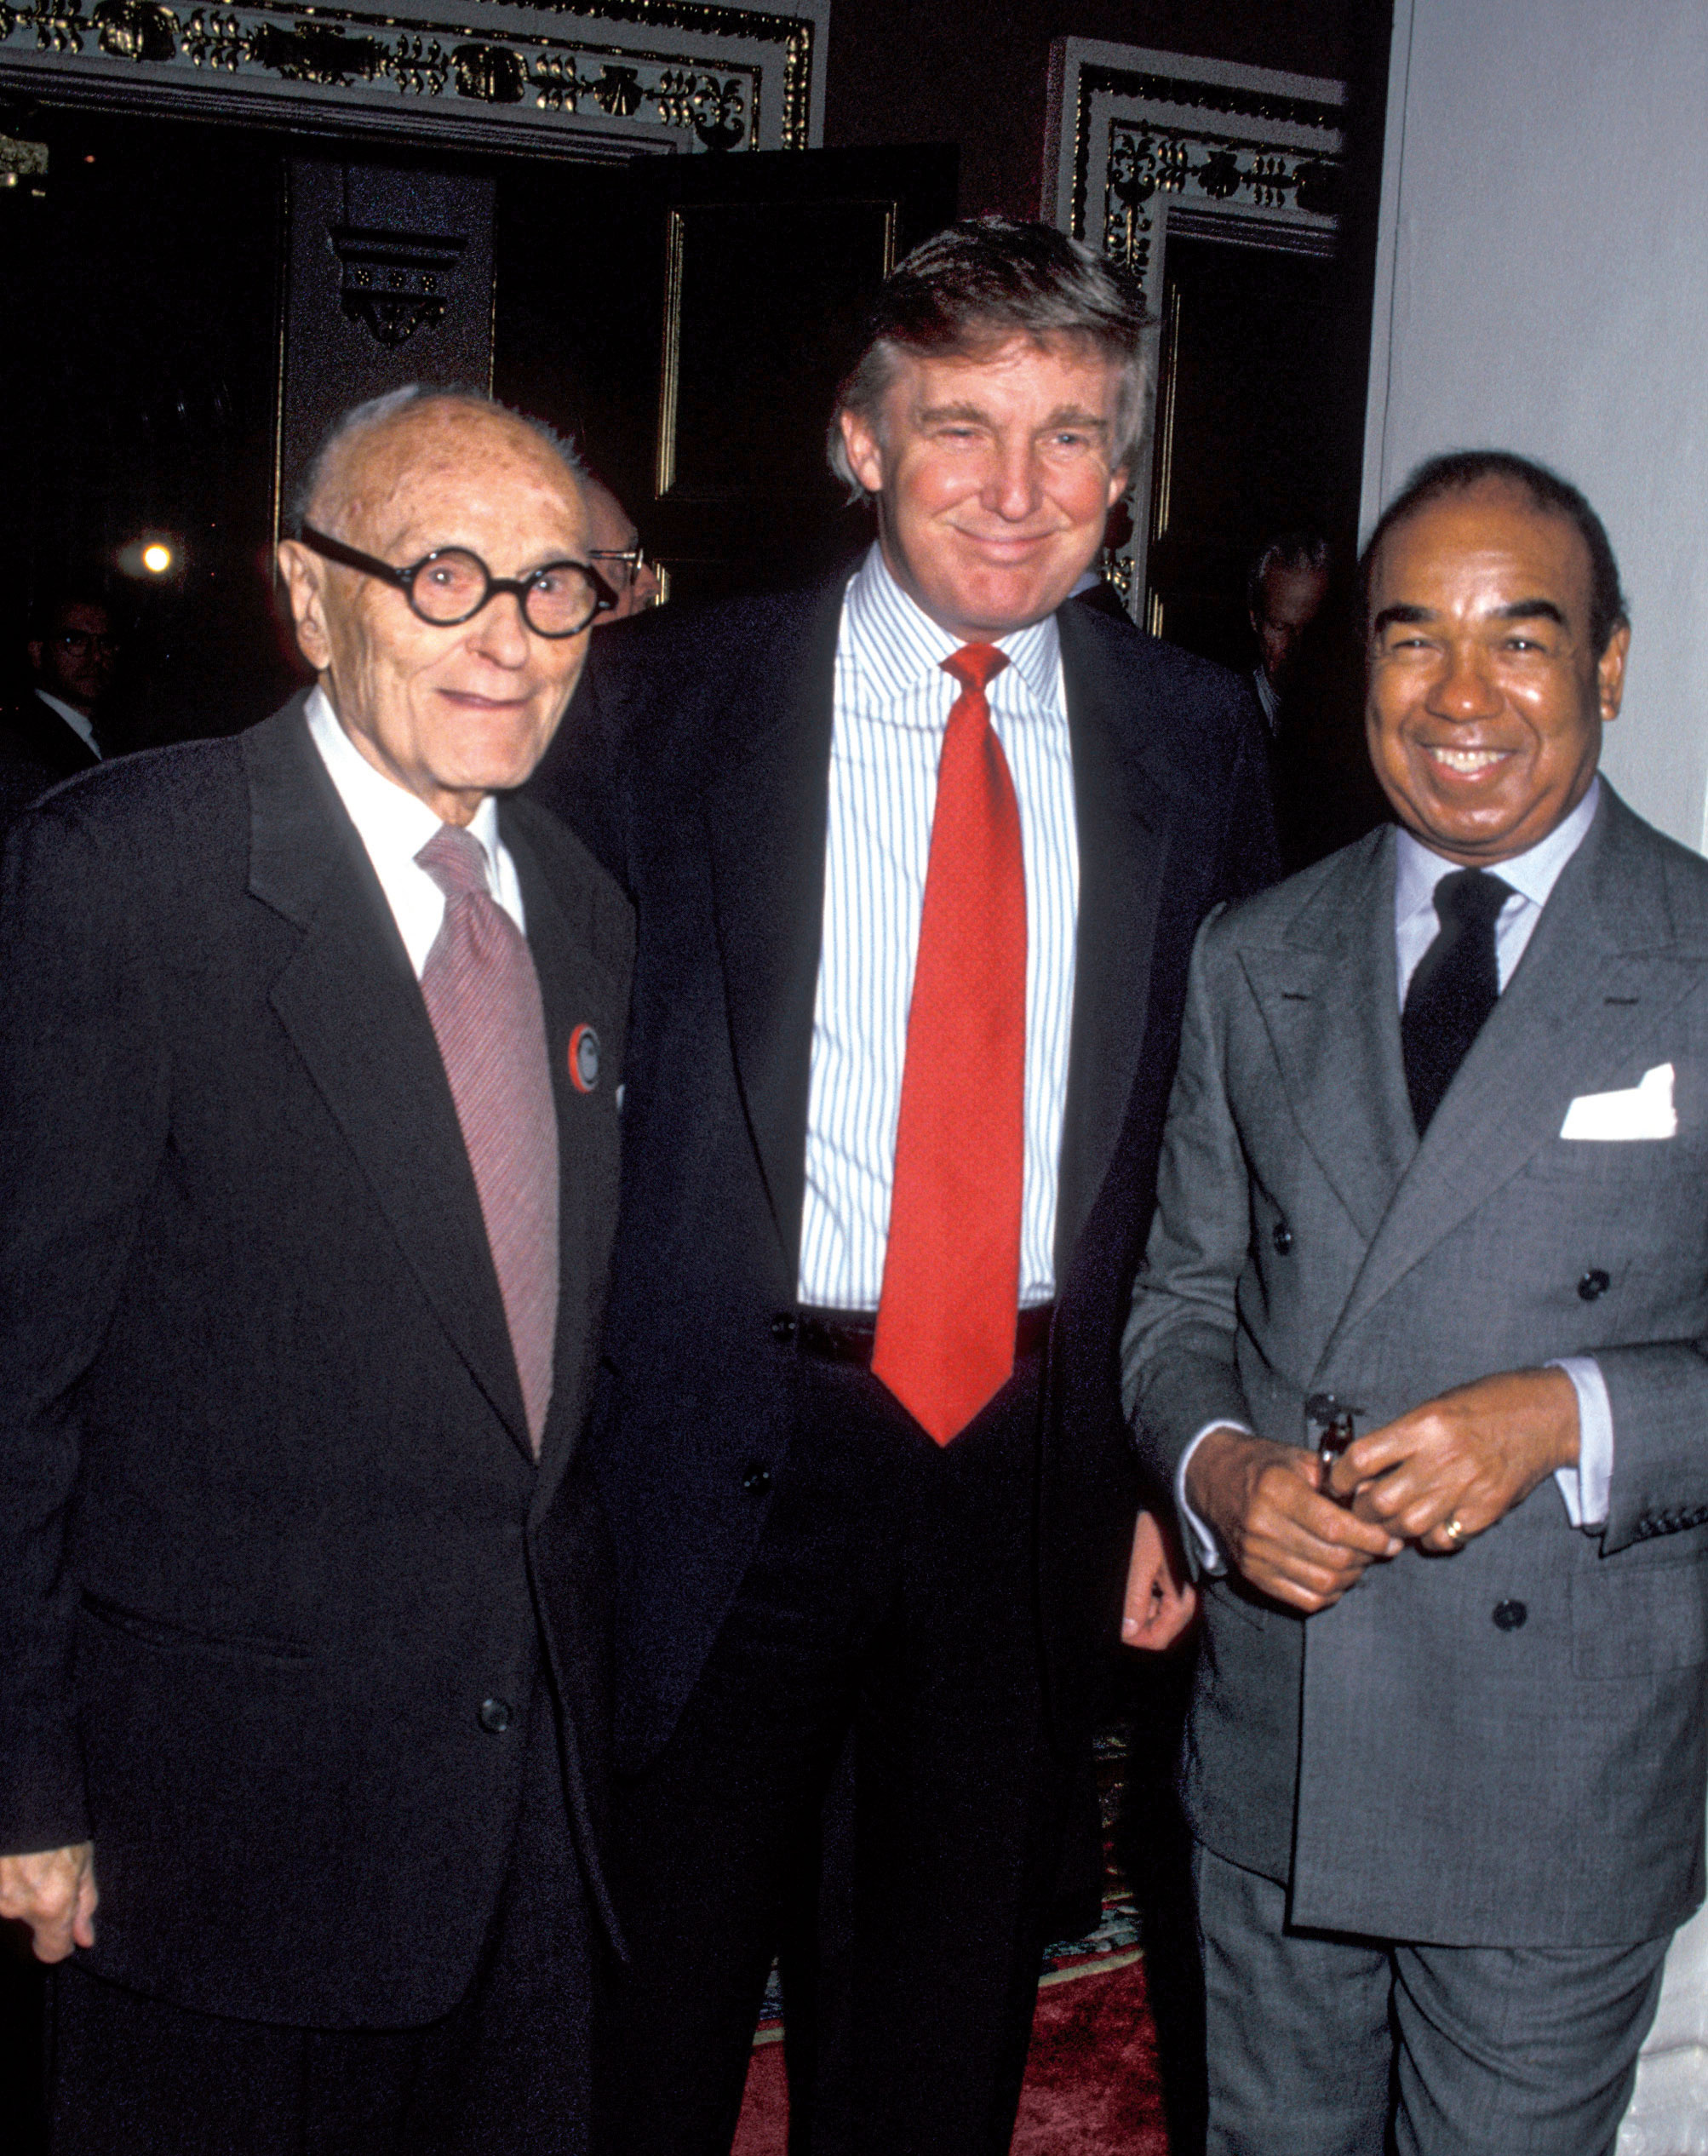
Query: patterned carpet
[(1092, 2085), (1093, 2080)]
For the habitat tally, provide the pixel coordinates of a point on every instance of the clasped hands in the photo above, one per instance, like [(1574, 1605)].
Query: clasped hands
[(53, 1892), (1303, 1537)]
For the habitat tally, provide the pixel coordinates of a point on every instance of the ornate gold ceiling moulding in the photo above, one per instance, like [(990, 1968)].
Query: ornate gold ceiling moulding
[(592, 77), (1141, 143), (800, 34)]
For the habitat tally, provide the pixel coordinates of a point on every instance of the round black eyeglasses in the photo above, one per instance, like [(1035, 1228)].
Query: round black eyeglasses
[(451, 585)]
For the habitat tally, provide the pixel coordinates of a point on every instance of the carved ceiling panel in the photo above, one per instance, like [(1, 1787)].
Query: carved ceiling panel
[(585, 78)]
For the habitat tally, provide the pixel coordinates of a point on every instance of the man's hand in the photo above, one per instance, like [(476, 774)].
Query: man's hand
[(1160, 1598), (1466, 1458), (1285, 1537), (52, 1891)]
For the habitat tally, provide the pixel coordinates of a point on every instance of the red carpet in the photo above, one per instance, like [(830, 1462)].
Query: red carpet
[(1093, 2086)]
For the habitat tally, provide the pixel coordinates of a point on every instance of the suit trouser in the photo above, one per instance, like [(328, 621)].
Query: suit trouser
[(893, 1590), (1324, 2045), (507, 2068)]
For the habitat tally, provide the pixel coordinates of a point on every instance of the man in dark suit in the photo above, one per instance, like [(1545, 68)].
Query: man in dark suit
[(48, 733), (302, 1580), (917, 856), (1436, 1170)]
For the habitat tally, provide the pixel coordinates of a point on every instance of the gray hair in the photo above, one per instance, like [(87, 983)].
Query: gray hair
[(348, 429), (1287, 550), (974, 287)]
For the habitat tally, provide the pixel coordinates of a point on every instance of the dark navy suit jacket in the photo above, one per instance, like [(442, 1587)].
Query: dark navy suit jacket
[(696, 762), (270, 1534)]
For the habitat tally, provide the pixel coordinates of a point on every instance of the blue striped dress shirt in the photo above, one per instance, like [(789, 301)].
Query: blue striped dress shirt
[(892, 703)]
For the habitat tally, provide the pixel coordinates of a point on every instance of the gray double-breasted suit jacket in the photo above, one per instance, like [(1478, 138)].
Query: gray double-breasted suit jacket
[(1505, 1747)]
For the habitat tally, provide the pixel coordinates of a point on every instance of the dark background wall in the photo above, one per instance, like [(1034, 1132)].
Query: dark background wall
[(974, 74)]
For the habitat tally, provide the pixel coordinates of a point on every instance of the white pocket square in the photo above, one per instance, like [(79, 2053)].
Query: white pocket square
[(1645, 1110)]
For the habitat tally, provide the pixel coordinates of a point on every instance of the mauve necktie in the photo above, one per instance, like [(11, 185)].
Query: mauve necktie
[(483, 996), (948, 1311), (1457, 984)]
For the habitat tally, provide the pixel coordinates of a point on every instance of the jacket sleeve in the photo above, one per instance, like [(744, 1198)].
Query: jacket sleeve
[(1658, 1395), (83, 1091), (1177, 1363)]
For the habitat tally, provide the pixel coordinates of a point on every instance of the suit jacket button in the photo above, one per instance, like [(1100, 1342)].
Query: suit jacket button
[(783, 1327), (756, 1478), (1593, 1284), (495, 1716), (1281, 1236), (1510, 1615)]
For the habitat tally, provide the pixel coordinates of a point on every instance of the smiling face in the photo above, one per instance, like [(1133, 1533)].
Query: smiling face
[(993, 478), (450, 715), (1486, 701)]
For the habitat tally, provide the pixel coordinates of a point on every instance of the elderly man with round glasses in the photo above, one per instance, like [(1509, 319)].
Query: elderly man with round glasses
[(303, 1580)]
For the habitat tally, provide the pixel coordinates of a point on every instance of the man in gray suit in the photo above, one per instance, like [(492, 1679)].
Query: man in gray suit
[(1437, 1155)]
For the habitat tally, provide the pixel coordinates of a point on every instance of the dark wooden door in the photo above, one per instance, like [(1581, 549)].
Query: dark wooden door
[(690, 321), (1256, 432)]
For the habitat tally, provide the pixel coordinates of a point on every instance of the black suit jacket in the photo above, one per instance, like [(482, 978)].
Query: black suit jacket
[(695, 760), (37, 749), (270, 1530)]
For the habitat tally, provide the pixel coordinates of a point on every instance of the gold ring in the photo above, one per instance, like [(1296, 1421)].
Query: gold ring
[(1454, 1531)]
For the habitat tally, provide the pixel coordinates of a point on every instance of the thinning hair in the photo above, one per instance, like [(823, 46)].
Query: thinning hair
[(973, 287), (1295, 550), (1459, 472), (342, 436)]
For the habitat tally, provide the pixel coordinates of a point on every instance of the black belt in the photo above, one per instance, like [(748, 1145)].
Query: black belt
[(848, 1336)]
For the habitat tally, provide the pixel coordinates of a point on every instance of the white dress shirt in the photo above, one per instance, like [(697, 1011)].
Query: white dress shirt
[(892, 701), (394, 824), (1584, 1488), (80, 725)]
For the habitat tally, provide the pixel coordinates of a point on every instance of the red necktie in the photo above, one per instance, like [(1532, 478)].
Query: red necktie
[(946, 1319), (483, 996)]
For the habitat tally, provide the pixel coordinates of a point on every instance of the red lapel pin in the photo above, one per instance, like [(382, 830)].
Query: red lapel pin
[(584, 1059)]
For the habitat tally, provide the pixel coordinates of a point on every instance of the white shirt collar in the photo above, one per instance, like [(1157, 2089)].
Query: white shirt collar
[(393, 823), (1532, 874), (393, 826), (83, 727), (899, 642)]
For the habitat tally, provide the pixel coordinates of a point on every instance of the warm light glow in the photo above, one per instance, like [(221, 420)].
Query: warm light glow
[(157, 559)]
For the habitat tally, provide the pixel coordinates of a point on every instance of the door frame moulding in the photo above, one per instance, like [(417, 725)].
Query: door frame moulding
[(1141, 143), (599, 79)]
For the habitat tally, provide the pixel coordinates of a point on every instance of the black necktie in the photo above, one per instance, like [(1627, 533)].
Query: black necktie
[(1457, 984)]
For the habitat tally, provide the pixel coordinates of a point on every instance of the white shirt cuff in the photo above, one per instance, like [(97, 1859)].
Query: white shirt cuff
[(1210, 1556), (1587, 1488)]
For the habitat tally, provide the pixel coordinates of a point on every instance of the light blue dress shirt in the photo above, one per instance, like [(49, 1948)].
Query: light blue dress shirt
[(892, 701)]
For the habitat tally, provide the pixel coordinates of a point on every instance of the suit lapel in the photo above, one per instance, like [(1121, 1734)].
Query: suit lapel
[(1120, 812), (765, 823), (1585, 994), (1329, 999), (350, 1003), (580, 984)]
